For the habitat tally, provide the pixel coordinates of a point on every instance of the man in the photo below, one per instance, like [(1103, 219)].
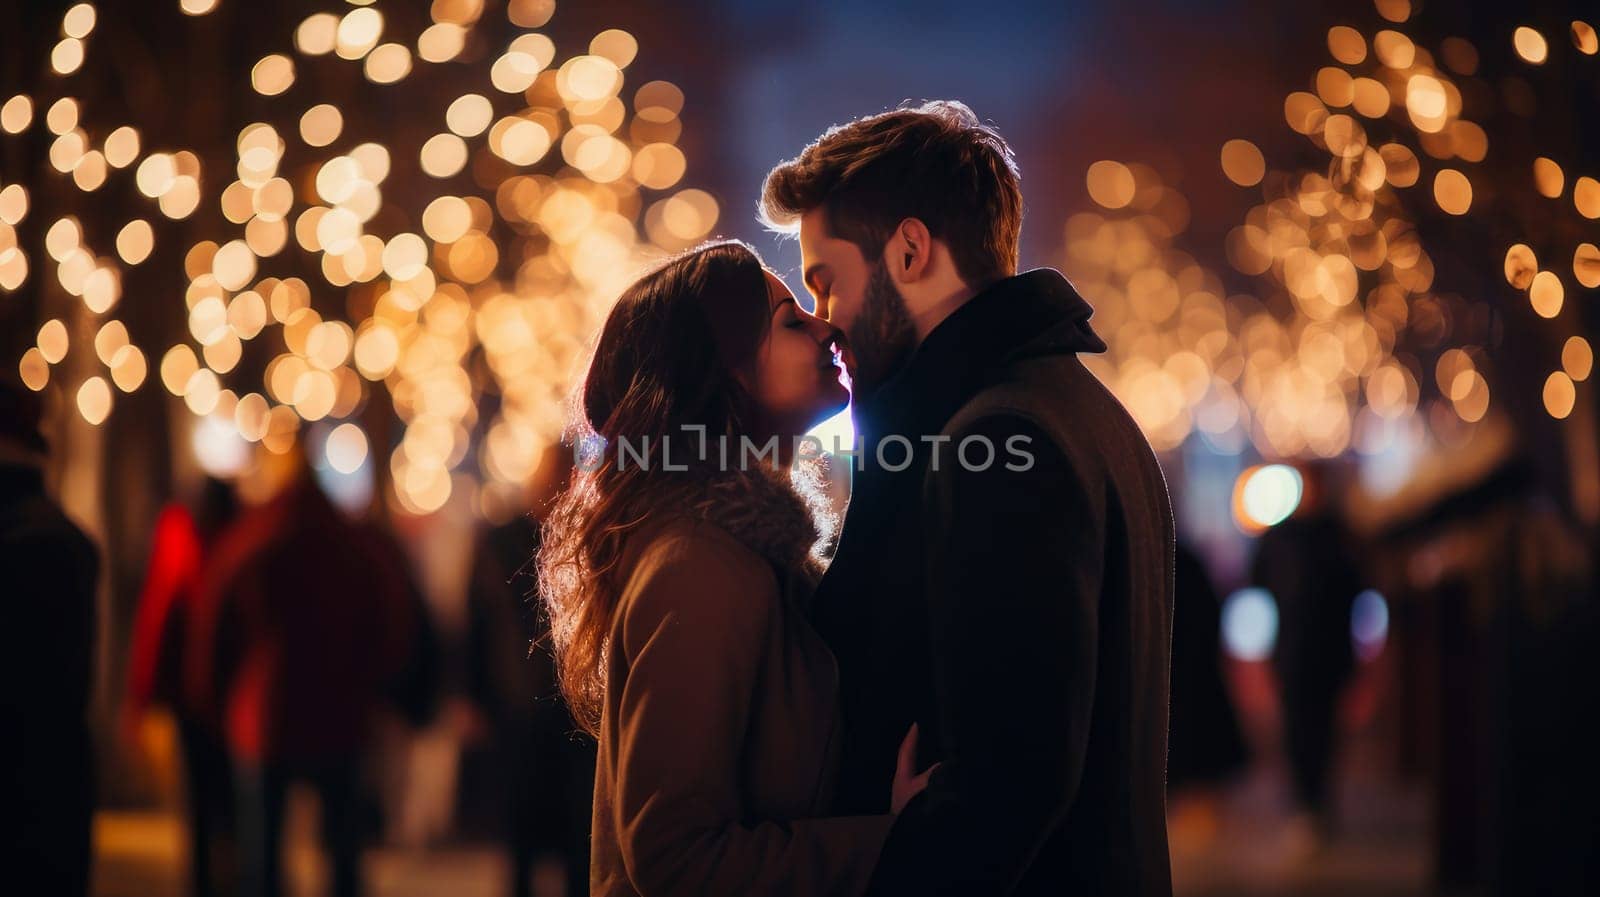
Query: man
[(1018, 612)]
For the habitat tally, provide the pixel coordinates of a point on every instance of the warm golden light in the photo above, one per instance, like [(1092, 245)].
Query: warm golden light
[(122, 147), (440, 43), (1370, 98), (446, 219), (128, 368), (202, 392), (444, 155), (1452, 191), (658, 166), (404, 256), (78, 21), (1347, 45), (1110, 184), (1583, 37), (1394, 10), (1577, 358), (1451, 373), (1559, 395), (1547, 177), (1586, 265), (1474, 401), (513, 267), (272, 75), (16, 114), (1426, 103), (469, 115), (94, 400), (530, 13), (234, 265), (1243, 163), (1521, 265), (658, 101), (89, 173), (1586, 196), (1394, 49), (13, 204), (1304, 112), (514, 72), (346, 449), (358, 33), (1400, 164), (63, 237), (321, 124), (177, 366), (519, 141), (251, 416), (135, 240), (1530, 45), (52, 341), (616, 45), (156, 175), (33, 369), (66, 58), (388, 63), (316, 35), (62, 116), (1546, 294)]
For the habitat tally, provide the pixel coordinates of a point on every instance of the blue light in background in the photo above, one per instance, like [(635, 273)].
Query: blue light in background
[(1250, 624), (1369, 624)]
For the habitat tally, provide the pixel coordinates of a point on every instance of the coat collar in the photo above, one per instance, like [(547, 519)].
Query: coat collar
[(1031, 314), (772, 512)]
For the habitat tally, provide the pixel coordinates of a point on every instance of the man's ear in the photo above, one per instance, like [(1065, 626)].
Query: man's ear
[(910, 251)]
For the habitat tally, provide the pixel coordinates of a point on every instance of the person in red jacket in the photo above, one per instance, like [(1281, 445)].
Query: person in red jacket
[(157, 656), (311, 623)]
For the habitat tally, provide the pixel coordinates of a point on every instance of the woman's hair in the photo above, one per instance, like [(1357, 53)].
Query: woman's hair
[(666, 359)]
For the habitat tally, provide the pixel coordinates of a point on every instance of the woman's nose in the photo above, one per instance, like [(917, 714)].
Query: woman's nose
[(821, 331)]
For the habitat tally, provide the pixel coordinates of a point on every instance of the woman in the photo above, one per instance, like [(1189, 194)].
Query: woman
[(675, 578)]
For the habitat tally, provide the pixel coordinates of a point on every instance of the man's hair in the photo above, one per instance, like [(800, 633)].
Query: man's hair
[(935, 162)]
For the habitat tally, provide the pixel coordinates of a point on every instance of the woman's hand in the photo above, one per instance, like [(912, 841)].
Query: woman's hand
[(908, 783)]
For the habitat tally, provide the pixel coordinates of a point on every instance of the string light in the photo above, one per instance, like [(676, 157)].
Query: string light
[(508, 271)]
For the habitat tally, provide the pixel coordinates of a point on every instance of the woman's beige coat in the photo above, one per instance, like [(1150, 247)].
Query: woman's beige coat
[(719, 735)]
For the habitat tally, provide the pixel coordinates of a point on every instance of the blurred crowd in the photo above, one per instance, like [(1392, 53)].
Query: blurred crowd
[(290, 645)]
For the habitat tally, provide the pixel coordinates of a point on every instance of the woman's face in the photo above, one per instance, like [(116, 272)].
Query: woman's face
[(795, 380)]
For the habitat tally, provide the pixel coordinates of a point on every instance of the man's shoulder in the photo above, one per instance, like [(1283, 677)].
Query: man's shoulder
[(1040, 392), (1062, 404)]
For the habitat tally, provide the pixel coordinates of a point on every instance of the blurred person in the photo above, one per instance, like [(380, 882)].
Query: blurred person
[(546, 764), (676, 582), (182, 539), (1310, 565), (1205, 744), (1493, 584), (1018, 612), (50, 570), (312, 625)]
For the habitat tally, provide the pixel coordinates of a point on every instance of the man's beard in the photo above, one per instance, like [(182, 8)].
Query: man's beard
[(882, 338)]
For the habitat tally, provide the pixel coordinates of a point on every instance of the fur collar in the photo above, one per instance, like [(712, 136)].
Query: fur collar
[(776, 515)]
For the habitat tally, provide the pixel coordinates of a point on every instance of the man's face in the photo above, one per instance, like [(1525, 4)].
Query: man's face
[(856, 295)]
